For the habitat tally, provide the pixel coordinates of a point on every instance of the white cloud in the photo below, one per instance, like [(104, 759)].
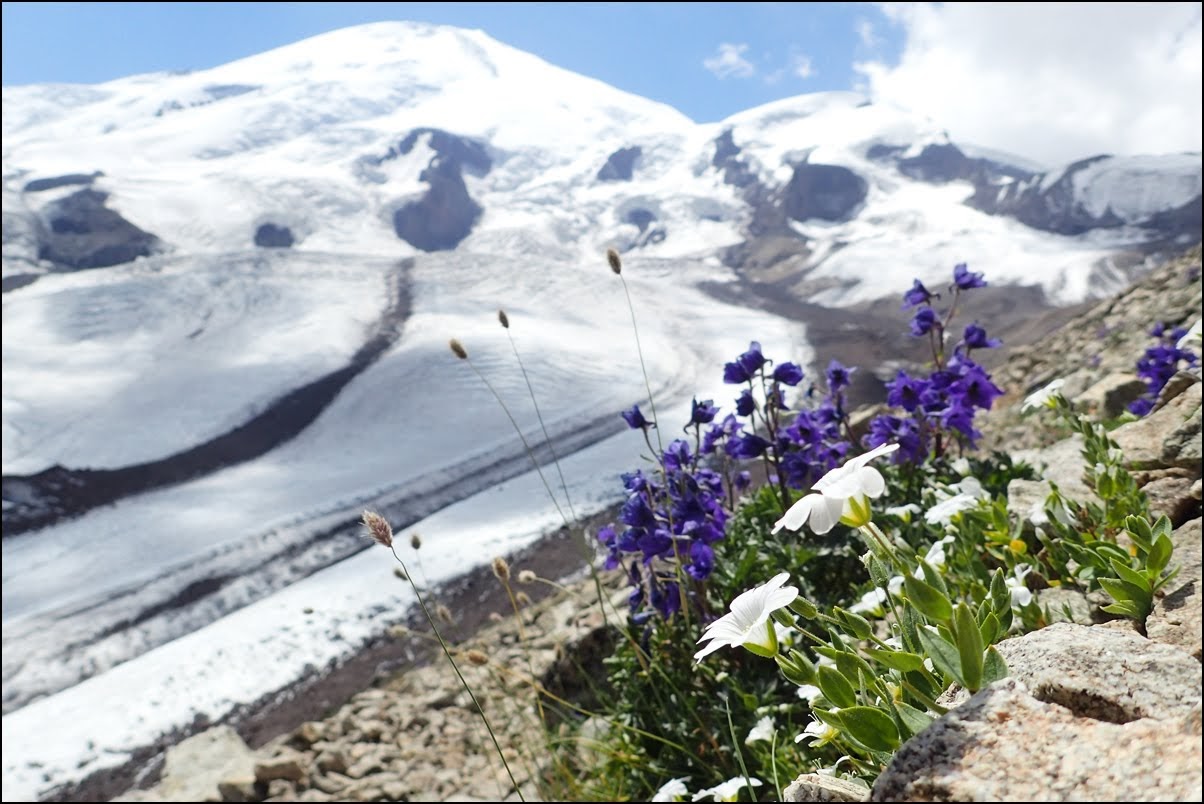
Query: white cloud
[(800, 65), (729, 62), (865, 32), (1053, 82)]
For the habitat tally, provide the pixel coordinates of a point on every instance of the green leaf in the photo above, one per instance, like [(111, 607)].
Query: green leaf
[(1130, 575), (944, 656), (899, 660), (855, 624), (871, 727), (1001, 596), (1124, 609), (993, 667), (969, 646), (1123, 591), (933, 578), (914, 721), (928, 599), (793, 673), (804, 608), (990, 628), (1159, 555), (803, 663), (835, 687)]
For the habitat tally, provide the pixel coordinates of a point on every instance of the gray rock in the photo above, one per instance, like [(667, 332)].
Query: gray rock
[(81, 232), (289, 765), (620, 164), (1166, 430), (1026, 501), (195, 767), (1005, 745), (1104, 674), (1063, 465), (1172, 496), (1176, 618), (1111, 396), (817, 787), (826, 192), (1065, 605)]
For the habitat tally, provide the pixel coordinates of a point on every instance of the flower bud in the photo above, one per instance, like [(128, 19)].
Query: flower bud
[(378, 528), (458, 349), (612, 256), (503, 319)]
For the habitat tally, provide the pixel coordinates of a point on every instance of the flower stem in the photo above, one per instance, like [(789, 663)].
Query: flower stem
[(452, 661)]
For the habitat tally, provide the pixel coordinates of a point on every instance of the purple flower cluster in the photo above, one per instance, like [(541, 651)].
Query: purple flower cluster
[(941, 406), (1159, 364), (671, 520)]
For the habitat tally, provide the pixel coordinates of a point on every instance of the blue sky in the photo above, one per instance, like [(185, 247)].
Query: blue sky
[(708, 60), (1052, 82)]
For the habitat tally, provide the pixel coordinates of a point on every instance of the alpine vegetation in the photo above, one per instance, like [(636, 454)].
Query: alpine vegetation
[(800, 598)]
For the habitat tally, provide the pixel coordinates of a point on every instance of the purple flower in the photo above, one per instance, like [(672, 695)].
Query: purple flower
[(906, 392), (747, 446), (745, 366), (906, 433), (702, 412), (975, 337), (916, 296), (923, 322), (745, 404), (742, 480), (702, 561), (677, 456), (635, 420), (788, 374), (1141, 406), (838, 376), (965, 279), (977, 389)]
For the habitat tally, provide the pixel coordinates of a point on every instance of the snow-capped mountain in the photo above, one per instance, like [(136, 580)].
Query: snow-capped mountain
[(228, 294)]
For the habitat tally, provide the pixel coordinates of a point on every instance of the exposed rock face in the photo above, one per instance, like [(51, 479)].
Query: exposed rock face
[(83, 233), (735, 171), (1176, 618), (1052, 209), (269, 235), (639, 217), (620, 165), (196, 766), (1004, 744), (826, 192), (445, 214), (40, 185)]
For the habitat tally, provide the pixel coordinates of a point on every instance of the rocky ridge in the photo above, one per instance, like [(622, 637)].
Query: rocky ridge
[(1126, 695)]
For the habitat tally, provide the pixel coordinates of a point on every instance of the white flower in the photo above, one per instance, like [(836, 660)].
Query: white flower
[(904, 512), (968, 493), (672, 790), (1021, 596), (762, 731), (870, 603), (1043, 397), (727, 791), (808, 692), (748, 623), (819, 732), (961, 466), (842, 492), (936, 554), (942, 513)]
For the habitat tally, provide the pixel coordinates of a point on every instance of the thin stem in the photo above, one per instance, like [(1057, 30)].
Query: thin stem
[(517, 429), (452, 661), (643, 367), (588, 553)]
